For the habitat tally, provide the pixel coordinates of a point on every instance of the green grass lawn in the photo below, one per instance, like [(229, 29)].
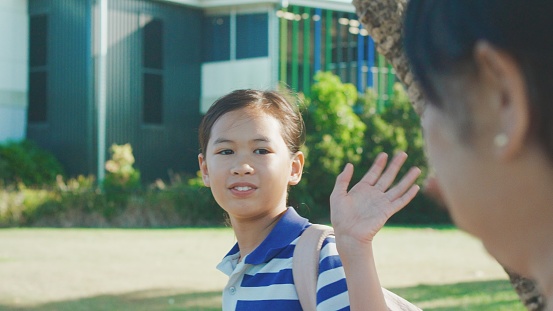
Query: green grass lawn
[(174, 269)]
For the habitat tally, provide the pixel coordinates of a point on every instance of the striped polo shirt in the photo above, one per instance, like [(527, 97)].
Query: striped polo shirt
[(263, 279)]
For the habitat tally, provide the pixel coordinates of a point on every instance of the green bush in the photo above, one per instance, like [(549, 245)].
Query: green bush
[(192, 202), (24, 162), (334, 137), (78, 202), (397, 128), (343, 128), (12, 208), (122, 179)]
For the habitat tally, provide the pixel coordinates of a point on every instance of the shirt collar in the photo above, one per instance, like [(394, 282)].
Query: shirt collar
[(287, 229)]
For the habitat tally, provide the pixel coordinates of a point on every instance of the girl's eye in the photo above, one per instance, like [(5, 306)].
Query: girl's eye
[(225, 152), (261, 151)]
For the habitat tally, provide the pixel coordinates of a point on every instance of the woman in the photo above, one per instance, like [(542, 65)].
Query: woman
[(486, 69)]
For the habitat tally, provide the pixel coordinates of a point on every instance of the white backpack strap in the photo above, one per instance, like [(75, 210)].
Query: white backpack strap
[(305, 264), (305, 270), (397, 303)]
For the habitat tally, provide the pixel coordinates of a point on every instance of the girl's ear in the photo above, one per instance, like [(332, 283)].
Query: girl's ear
[(203, 169), (296, 169)]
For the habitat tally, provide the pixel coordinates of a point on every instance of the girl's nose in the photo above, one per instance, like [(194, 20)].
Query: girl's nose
[(242, 169)]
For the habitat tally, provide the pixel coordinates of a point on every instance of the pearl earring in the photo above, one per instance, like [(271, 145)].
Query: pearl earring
[(500, 140)]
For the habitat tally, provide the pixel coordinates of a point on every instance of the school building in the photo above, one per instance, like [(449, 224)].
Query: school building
[(79, 76)]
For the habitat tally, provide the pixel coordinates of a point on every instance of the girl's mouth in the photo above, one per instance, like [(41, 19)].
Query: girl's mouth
[(245, 188), (242, 189)]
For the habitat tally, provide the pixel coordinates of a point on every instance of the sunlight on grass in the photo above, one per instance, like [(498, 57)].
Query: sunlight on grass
[(174, 269), (484, 295)]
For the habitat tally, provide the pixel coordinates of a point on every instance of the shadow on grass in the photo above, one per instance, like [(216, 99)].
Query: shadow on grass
[(154, 300), (482, 295)]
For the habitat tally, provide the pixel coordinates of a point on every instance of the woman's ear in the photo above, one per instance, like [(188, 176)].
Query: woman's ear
[(511, 104), (296, 170), (203, 169)]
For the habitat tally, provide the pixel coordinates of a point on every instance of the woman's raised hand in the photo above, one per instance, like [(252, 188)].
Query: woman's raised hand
[(358, 214)]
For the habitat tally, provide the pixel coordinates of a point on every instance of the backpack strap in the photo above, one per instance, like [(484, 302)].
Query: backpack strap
[(305, 264), (305, 270)]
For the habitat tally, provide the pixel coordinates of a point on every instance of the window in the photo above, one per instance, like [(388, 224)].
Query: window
[(152, 74), (38, 74), (252, 35), (153, 97), (37, 96), (38, 33), (216, 41), (153, 44)]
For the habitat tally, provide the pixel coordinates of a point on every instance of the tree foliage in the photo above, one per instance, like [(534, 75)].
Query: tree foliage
[(343, 127), (334, 137), (396, 128)]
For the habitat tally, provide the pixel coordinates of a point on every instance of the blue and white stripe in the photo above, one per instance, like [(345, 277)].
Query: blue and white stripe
[(263, 279)]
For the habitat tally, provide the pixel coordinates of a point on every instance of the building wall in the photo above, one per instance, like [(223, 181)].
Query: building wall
[(153, 101), (239, 51), (153, 93), (221, 78), (13, 69), (60, 81), (157, 107)]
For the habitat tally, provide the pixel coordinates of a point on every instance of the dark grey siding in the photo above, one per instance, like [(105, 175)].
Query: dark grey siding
[(170, 144), (67, 130), (70, 127)]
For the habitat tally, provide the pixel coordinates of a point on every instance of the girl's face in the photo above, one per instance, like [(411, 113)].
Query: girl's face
[(248, 165)]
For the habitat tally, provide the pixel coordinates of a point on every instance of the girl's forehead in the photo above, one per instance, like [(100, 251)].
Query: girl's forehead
[(254, 120)]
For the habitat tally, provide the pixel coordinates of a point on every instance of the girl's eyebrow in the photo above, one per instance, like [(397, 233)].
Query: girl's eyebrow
[(221, 141), (262, 139)]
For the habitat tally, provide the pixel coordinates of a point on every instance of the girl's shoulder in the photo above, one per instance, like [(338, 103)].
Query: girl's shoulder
[(328, 257)]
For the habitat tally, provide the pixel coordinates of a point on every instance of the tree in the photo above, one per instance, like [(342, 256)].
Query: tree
[(395, 128), (334, 137), (383, 20), (390, 129)]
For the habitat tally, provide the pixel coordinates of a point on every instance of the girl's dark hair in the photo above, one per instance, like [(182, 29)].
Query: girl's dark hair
[(440, 37), (271, 102)]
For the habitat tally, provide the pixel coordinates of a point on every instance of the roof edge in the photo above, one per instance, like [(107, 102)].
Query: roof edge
[(335, 5)]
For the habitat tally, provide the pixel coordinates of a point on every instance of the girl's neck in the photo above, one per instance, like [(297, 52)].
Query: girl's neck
[(251, 232)]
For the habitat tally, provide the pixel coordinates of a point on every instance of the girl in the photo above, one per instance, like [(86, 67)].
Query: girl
[(250, 154), (486, 68)]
